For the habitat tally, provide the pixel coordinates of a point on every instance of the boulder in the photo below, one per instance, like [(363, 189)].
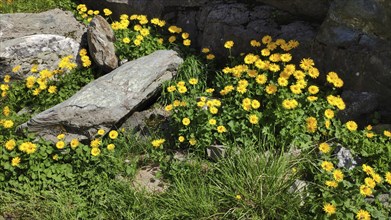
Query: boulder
[(45, 50), (56, 21), (105, 102), (101, 39), (358, 105)]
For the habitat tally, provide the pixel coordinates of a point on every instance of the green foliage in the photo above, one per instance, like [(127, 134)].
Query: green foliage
[(19, 6)]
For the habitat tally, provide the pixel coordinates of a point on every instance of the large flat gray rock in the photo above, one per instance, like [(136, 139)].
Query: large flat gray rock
[(107, 100)]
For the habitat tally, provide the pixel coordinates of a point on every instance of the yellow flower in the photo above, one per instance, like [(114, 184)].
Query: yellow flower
[(241, 89), (255, 104), (253, 119), (312, 124), (60, 136), (295, 89), (327, 166), (282, 81), (388, 177), (313, 89), (368, 169), (286, 57), (16, 68), (324, 148), (52, 89), (271, 89), (370, 134), (212, 121), (192, 141), (329, 113), (171, 89), (229, 44), (289, 103), (15, 161), (171, 39), (329, 209), (265, 52), (181, 139), (186, 121), (261, 79), (110, 147), (221, 129), (95, 151), (387, 133), (113, 134), (365, 190), (95, 143), (126, 40), (363, 215), (182, 89), (187, 42), (313, 72), (205, 50), (376, 177), (10, 144), (332, 184), (74, 143), (306, 63), (210, 56), (8, 123), (266, 39), (7, 78), (60, 144), (238, 197), (168, 107), (213, 110), (6, 111), (351, 125), (28, 147), (144, 32), (101, 132), (370, 182), (193, 81), (338, 175), (107, 12), (137, 42)]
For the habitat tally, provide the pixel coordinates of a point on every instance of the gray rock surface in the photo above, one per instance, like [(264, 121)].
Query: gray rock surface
[(358, 105), (345, 159), (101, 39), (54, 21), (107, 100), (46, 50)]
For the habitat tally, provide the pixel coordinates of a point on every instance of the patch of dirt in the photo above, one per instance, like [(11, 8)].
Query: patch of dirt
[(146, 179)]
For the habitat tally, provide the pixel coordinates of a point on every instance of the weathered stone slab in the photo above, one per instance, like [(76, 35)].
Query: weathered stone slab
[(54, 21), (101, 39), (45, 50), (107, 100)]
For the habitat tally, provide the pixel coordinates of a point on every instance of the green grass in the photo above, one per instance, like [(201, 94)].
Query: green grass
[(29, 6)]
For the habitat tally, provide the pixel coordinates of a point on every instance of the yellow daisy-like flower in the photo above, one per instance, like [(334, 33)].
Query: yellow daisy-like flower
[(210, 56), (329, 209), (126, 40), (313, 89), (333, 184), (255, 43), (95, 151), (377, 178), (271, 89), (338, 175), (266, 39), (192, 141), (110, 147), (312, 124), (95, 143), (368, 169), (16, 68), (74, 143), (324, 148), (213, 110), (182, 89), (193, 81), (158, 142), (8, 123), (388, 177), (387, 133), (313, 72), (186, 121), (306, 63), (187, 42), (370, 182), (286, 57), (221, 129), (15, 161), (363, 215), (28, 147), (181, 139), (205, 50), (327, 166), (229, 44), (295, 89), (365, 190), (261, 79), (168, 107), (101, 132), (253, 119), (265, 52), (107, 12), (10, 144), (113, 134), (171, 89), (212, 121), (255, 104), (60, 144), (328, 113), (351, 125), (282, 81), (60, 136)]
